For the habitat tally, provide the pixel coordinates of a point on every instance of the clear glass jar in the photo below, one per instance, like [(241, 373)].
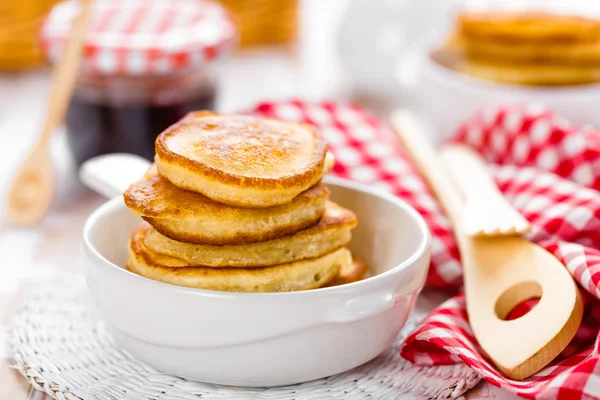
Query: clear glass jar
[(145, 64)]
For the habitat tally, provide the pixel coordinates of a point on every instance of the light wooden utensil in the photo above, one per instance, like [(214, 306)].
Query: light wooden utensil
[(499, 274), (32, 190), (486, 212)]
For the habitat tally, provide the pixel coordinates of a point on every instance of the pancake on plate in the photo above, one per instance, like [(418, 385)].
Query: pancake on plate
[(541, 75), (532, 26), (242, 161), (299, 275), (524, 48), (330, 233), (191, 217), (579, 53)]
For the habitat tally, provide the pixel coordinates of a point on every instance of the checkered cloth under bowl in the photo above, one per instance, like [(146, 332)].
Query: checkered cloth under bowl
[(546, 168)]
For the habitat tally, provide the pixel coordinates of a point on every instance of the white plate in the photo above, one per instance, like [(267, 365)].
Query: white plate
[(447, 98)]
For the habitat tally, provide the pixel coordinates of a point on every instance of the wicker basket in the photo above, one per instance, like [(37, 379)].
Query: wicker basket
[(265, 21), (19, 24)]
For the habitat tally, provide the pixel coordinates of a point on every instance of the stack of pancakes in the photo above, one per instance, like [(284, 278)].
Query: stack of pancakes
[(528, 48), (236, 203)]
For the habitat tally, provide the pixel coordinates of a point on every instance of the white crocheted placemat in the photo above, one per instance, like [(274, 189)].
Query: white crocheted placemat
[(58, 342)]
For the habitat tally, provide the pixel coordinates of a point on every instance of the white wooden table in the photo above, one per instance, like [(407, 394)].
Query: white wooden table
[(31, 256)]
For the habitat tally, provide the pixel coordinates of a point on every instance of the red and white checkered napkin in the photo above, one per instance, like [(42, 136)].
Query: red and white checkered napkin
[(549, 170)]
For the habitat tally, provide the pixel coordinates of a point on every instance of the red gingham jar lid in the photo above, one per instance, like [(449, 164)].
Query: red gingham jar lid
[(143, 37)]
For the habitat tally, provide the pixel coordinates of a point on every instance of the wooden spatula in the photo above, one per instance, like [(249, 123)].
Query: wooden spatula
[(486, 212), (499, 274), (32, 190)]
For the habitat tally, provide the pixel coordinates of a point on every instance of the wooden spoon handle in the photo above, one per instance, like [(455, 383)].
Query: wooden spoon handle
[(476, 181), (426, 160), (65, 75), (486, 212)]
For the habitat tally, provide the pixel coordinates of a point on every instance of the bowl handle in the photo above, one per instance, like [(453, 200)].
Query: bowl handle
[(363, 307), (111, 174)]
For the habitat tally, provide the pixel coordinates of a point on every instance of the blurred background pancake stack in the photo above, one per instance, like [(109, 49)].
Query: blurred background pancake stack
[(250, 239), (527, 48)]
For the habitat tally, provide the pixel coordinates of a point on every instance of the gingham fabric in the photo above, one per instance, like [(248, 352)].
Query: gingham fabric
[(549, 170), (367, 151), (143, 37)]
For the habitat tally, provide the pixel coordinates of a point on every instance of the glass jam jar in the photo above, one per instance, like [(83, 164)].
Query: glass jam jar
[(146, 64)]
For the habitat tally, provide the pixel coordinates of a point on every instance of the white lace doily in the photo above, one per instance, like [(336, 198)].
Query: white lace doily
[(58, 342)]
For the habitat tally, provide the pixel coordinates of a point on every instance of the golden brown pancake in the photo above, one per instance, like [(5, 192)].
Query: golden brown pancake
[(330, 233), (191, 217), (525, 48), (353, 272), (242, 161), (578, 53), (299, 275), (534, 26), (539, 75)]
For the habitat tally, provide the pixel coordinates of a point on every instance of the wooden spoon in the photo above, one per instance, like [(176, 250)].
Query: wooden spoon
[(499, 274), (32, 190)]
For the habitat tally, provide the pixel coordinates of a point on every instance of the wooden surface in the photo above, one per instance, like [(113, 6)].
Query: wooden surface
[(52, 248)]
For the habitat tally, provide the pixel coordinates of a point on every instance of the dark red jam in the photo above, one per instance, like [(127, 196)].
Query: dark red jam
[(95, 129), (104, 118)]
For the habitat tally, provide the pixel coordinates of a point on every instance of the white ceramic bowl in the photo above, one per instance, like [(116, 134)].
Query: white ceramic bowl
[(247, 339), (446, 98)]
